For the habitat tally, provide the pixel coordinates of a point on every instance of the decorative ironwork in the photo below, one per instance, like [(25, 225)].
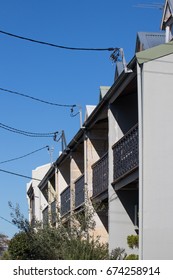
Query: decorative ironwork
[(79, 191), (100, 175), (45, 216), (53, 211), (125, 154), (65, 201)]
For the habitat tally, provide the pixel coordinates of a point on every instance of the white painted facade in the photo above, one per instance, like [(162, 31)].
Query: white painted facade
[(156, 150), (36, 200)]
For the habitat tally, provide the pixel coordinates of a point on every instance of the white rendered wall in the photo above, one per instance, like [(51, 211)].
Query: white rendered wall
[(120, 225), (156, 159), (40, 201)]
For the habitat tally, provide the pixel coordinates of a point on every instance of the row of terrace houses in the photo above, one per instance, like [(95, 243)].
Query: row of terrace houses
[(121, 158)]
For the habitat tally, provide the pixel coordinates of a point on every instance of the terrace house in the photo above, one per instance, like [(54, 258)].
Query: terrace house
[(121, 158)]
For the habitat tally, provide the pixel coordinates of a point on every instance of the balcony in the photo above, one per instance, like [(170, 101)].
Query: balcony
[(125, 154), (45, 213), (79, 192), (53, 212), (100, 176), (65, 201)]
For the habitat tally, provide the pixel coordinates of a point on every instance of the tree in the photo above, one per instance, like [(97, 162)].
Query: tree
[(61, 243), (3, 243), (20, 247)]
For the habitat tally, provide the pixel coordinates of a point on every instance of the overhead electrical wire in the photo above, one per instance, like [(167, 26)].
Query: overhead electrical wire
[(159, 6), (55, 45), (7, 221), (20, 175), (13, 159), (27, 133), (37, 99)]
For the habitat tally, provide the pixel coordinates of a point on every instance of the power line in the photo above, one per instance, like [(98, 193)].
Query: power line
[(20, 175), (159, 6), (9, 160), (7, 220), (54, 45), (36, 99), (27, 133)]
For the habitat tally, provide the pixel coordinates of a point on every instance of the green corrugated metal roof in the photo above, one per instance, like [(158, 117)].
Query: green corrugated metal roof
[(154, 53)]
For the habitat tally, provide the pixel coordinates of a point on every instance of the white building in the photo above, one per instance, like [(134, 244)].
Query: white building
[(36, 199)]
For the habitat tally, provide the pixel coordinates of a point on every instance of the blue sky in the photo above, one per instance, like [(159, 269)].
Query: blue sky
[(56, 75)]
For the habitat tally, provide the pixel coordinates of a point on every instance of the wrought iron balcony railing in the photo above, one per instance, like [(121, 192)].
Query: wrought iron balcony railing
[(65, 201), (79, 191), (53, 212), (45, 216), (100, 175), (125, 154)]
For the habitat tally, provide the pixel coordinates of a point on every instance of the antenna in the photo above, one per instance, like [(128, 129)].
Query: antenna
[(153, 5), (118, 55), (63, 141), (50, 150), (78, 113)]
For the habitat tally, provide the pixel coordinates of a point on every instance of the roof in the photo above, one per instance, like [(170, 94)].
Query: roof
[(171, 4), (88, 111), (30, 191), (147, 40), (119, 69), (167, 13), (103, 91), (154, 53)]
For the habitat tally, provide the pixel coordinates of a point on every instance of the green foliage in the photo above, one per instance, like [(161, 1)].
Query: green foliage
[(132, 257), (40, 244), (78, 249), (18, 219), (54, 243), (61, 243), (133, 241), (72, 242), (5, 256), (21, 247), (118, 254)]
